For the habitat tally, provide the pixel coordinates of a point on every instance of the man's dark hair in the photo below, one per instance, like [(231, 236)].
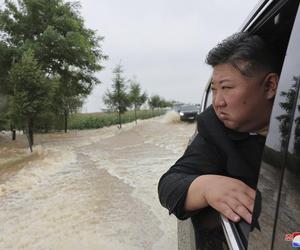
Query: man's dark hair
[(244, 47)]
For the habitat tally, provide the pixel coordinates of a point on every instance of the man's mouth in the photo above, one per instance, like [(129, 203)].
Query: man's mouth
[(223, 115)]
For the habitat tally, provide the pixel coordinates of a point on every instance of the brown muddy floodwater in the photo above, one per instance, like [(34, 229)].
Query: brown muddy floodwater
[(92, 189)]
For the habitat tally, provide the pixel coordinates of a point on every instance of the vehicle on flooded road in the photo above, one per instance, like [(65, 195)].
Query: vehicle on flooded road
[(188, 112)]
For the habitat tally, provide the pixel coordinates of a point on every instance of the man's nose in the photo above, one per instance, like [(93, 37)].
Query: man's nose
[(219, 100)]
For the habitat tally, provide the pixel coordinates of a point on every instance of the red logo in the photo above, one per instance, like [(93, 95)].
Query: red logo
[(288, 237), (294, 237)]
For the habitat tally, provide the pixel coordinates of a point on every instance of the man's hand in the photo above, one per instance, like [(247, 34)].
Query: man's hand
[(231, 197)]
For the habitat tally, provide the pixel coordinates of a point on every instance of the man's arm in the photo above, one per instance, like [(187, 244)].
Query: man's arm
[(199, 158), (231, 197)]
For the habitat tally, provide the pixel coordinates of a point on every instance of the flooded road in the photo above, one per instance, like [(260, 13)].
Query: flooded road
[(93, 189)]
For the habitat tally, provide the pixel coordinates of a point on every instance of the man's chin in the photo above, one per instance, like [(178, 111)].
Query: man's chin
[(235, 127), (231, 125)]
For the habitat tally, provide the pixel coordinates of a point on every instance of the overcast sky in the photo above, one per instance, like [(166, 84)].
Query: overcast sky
[(162, 42)]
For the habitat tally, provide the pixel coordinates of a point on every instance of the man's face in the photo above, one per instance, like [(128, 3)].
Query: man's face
[(240, 102)]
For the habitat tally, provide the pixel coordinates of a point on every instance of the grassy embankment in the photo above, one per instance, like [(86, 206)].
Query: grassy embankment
[(104, 119)]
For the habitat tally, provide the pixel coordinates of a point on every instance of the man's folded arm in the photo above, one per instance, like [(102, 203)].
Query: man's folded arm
[(199, 158)]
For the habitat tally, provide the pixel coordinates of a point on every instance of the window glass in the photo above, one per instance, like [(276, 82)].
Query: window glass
[(273, 160), (288, 220)]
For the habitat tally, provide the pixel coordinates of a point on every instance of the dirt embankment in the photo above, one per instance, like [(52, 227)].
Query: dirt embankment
[(14, 155)]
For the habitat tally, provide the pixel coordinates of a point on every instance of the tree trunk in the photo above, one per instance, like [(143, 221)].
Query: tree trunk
[(30, 133), (135, 116), (66, 114), (120, 122), (13, 132)]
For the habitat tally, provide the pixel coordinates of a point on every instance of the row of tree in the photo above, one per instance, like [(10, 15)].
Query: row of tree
[(47, 61), (120, 99)]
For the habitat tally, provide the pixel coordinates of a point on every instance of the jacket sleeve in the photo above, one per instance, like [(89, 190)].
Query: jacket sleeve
[(199, 158)]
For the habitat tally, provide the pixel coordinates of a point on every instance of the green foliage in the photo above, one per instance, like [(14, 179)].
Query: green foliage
[(56, 32), (32, 91), (64, 49), (156, 101), (99, 120), (6, 57), (49, 121), (117, 99), (164, 103), (136, 98), (3, 112)]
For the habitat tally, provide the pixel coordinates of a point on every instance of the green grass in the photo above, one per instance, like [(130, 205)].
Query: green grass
[(104, 119)]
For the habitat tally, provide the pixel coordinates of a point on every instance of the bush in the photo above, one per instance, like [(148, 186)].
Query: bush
[(104, 119)]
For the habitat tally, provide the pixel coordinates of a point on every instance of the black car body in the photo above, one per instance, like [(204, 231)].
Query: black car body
[(277, 202), (188, 112)]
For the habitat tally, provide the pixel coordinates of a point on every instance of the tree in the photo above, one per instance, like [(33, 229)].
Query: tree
[(117, 99), (164, 103), (154, 101), (32, 93), (63, 47), (6, 58), (64, 104), (136, 98), (3, 111)]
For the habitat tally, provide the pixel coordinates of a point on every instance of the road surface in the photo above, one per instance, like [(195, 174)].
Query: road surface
[(92, 189)]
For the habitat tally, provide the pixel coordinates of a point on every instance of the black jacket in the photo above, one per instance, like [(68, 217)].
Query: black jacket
[(215, 150)]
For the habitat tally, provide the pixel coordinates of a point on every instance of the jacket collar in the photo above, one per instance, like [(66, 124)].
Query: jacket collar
[(236, 136)]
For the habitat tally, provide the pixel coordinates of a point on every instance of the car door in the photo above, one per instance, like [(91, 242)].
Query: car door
[(277, 184), (279, 180), (287, 224)]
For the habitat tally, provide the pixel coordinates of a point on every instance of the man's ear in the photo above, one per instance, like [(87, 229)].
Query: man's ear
[(270, 85)]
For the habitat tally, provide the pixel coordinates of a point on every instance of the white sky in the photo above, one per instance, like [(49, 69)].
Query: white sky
[(162, 42)]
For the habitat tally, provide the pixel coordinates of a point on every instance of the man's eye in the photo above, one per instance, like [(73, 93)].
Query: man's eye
[(226, 87)]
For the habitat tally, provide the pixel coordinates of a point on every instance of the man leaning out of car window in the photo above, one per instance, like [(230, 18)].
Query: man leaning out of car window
[(220, 167)]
